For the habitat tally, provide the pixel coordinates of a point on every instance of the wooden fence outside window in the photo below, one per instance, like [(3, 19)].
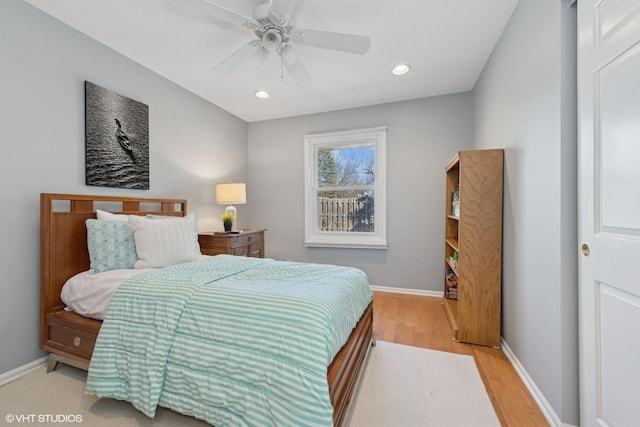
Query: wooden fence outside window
[(348, 214)]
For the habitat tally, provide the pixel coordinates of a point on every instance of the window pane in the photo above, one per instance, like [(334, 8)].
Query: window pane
[(346, 211), (339, 167)]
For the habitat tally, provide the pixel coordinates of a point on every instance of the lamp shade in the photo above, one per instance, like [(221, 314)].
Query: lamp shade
[(231, 193)]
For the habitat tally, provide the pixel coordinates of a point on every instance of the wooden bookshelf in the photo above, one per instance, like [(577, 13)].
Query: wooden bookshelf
[(475, 234)]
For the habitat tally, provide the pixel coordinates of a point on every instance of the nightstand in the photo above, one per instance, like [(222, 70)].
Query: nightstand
[(247, 243)]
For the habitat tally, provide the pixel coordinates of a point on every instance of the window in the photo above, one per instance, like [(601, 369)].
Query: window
[(345, 195)]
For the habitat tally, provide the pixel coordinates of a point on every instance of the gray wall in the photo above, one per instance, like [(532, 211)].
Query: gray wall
[(422, 137), (525, 101), (193, 143)]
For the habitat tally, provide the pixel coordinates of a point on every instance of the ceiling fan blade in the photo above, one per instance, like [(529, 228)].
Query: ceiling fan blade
[(194, 5), (238, 57), (350, 43), (235, 11), (283, 11), (197, 10), (262, 56), (295, 67)]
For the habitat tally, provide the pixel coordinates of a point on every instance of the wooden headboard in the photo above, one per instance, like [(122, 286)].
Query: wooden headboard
[(63, 237)]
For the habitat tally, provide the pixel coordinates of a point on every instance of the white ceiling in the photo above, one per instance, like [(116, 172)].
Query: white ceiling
[(446, 42)]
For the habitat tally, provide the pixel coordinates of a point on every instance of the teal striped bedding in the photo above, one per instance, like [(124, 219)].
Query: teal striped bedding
[(230, 340)]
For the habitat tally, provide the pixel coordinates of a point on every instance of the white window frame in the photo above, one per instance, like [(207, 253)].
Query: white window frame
[(370, 240)]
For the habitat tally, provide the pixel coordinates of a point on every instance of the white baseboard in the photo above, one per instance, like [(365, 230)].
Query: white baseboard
[(407, 291), (537, 395), (16, 373)]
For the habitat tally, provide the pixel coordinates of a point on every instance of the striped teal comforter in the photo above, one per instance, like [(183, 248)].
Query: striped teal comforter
[(233, 341)]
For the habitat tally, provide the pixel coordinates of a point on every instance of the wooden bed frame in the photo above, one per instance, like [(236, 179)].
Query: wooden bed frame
[(70, 338)]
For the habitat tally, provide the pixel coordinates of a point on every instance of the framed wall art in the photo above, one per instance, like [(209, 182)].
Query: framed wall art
[(116, 139)]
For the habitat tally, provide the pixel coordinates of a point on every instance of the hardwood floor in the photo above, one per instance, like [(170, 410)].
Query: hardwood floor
[(420, 321)]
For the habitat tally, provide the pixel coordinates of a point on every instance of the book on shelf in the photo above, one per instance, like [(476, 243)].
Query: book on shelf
[(451, 284), (455, 203)]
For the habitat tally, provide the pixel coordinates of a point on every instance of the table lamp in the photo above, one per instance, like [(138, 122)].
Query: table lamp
[(230, 194)]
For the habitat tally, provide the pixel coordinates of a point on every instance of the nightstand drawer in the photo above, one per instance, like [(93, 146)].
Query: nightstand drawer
[(247, 239), (248, 243), (241, 251), (256, 250)]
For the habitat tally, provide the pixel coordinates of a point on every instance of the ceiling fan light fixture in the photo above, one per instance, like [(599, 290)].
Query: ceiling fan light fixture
[(271, 40), (401, 69), (262, 94)]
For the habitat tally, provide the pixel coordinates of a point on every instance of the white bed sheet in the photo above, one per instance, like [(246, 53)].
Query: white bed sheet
[(90, 294)]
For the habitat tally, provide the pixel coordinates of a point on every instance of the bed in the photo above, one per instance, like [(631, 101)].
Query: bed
[(70, 338)]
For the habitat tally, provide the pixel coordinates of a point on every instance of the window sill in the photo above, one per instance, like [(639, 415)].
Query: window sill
[(349, 245)]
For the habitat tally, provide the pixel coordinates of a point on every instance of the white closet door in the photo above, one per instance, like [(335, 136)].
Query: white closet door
[(609, 211)]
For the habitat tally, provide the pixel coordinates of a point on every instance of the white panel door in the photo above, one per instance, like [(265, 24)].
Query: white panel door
[(609, 211)]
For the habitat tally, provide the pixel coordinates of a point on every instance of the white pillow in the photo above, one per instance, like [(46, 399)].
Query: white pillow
[(108, 216), (164, 242), (196, 243)]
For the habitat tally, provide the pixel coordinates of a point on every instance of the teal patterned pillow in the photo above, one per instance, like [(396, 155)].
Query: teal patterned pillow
[(111, 245)]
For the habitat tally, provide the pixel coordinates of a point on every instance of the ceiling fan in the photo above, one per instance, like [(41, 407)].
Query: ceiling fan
[(271, 22)]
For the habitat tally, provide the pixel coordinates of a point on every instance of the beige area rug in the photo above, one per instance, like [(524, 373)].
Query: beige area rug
[(407, 386), (402, 387)]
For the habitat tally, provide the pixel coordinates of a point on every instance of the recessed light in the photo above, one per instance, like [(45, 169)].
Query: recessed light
[(401, 69), (262, 94)]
